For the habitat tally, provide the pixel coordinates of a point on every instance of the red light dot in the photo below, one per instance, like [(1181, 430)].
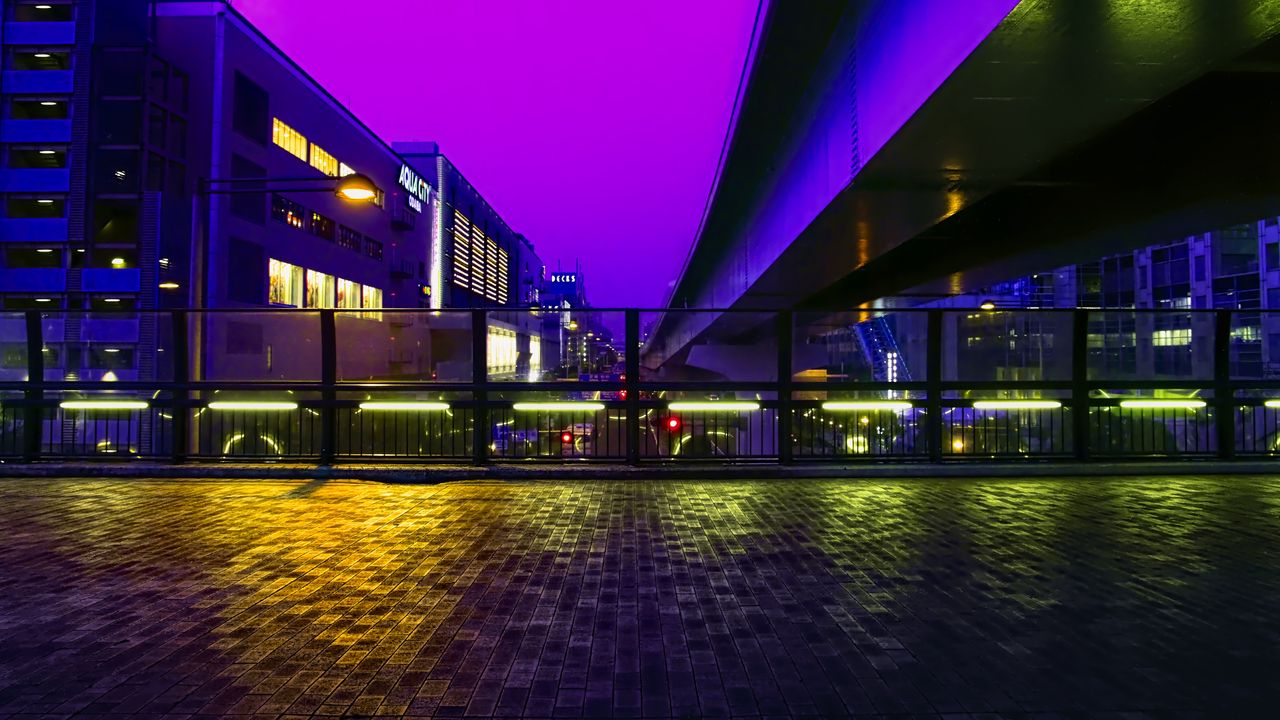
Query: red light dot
[(566, 437), (673, 423)]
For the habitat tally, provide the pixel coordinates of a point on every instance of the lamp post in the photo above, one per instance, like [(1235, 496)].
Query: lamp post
[(354, 188)]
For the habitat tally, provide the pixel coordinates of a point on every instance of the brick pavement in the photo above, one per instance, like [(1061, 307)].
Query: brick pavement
[(1047, 598)]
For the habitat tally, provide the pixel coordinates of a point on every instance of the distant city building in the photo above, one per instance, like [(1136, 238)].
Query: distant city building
[(144, 140), (1235, 268)]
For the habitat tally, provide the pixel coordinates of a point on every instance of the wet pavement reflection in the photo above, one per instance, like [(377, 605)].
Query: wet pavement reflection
[(960, 598)]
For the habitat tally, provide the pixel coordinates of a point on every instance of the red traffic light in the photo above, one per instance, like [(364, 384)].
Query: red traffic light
[(566, 437), (673, 424)]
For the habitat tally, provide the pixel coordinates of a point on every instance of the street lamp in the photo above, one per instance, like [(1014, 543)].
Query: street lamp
[(353, 188)]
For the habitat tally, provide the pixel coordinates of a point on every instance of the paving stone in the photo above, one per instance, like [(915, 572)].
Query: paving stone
[(1052, 597)]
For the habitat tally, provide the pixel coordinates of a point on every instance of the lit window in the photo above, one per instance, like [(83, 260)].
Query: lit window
[(323, 161), (285, 282), (535, 358), (322, 226), (348, 294), (288, 212), (1171, 338), (501, 351), (291, 140), (372, 298), (345, 170), (319, 289), (461, 251)]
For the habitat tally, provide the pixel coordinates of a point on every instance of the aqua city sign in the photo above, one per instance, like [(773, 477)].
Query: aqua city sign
[(418, 189)]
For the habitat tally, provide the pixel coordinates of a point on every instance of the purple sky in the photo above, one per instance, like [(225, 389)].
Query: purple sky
[(593, 127)]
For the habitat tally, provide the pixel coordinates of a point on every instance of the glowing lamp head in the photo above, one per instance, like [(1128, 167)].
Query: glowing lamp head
[(987, 305), (356, 188), (169, 285), (117, 262)]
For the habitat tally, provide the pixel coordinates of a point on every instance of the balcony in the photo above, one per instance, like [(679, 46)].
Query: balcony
[(107, 280), (35, 180), (33, 280), (37, 82), (40, 33), (35, 131), (402, 269), (52, 230)]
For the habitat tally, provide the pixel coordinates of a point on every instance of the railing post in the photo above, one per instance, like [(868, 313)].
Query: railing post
[(631, 341), (329, 383), (1080, 383), (181, 378), (1223, 396), (33, 413), (933, 384), (784, 340), (480, 386)]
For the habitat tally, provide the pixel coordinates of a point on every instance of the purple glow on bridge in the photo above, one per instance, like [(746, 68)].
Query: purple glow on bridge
[(906, 49)]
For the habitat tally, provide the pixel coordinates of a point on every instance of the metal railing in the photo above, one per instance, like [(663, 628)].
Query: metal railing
[(779, 386)]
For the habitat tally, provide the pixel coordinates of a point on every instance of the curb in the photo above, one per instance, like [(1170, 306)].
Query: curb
[(411, 474)]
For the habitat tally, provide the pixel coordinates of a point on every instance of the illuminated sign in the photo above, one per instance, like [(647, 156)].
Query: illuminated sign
[(419, 190), (567, 278)]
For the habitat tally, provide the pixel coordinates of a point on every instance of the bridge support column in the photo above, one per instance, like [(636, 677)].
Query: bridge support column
[(785, 330), (1224, 406)]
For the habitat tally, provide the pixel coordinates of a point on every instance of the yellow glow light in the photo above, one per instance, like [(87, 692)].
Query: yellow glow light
[(557, 406), (1016, 404), (103, 405), (404, 406), (252, 405), (868, 405), (713, 406), (1162, 404)]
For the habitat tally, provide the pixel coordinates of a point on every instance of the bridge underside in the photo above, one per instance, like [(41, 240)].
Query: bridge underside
[(1070, 132)]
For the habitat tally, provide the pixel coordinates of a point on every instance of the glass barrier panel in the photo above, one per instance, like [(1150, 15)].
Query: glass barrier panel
[(1254, 345), (709, 345), (403, 346), (863, 345), (249, 346), (1006, 345), (555, 345), (1136, 345), (13, 347)]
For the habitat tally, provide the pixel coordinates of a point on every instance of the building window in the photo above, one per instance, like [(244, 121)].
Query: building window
[(371, 297), (288, 212), (292, 141), (348, 294), (39, 109), (322, 226), (285, 282), (373, 248), (323, 161), (37, 11), (1273, 256), (36, 207), (319, 289), (249, 206), (461, 253), (38, 156), (348, 238), (38, 59), (250, 109), (501, 351), (1171, 338), (345, 170)]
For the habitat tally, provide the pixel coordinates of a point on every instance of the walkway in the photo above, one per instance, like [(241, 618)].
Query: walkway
[(935, 598)]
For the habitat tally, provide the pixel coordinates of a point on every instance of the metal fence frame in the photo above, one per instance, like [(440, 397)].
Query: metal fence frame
[(180, 397)]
